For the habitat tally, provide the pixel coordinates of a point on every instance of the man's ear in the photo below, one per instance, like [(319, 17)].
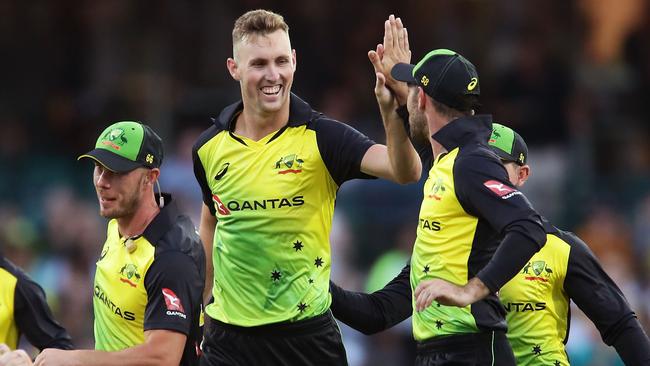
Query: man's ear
[(293, 56), (524, 174), (232, 67), (422, 98), (152, 175)]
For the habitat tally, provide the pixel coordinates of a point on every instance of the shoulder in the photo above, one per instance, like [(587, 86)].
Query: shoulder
[(208, 134)]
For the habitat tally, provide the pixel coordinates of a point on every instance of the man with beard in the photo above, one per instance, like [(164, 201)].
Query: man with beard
[(150, 273)]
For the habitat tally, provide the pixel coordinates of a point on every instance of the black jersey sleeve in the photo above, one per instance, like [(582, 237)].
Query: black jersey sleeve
[(596, 294), (375, 312), (484, 191), (173, 288), (199, 170), (34, 317), (342, 148)]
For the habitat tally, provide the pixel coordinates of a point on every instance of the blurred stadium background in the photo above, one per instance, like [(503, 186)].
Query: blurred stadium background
[(572, 77)]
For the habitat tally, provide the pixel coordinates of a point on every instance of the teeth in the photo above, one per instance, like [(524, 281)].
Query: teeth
[(271, 89)]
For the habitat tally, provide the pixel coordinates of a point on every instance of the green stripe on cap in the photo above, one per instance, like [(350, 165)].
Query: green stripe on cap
[(502, 138), (438, 52), (122, 138)]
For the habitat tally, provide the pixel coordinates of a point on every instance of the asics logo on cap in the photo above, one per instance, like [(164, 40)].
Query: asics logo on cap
[(472, 84)]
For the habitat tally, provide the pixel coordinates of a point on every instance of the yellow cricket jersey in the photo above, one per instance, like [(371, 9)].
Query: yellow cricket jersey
[(537, 300), (157, 286), (467, 204), (274, 200), (24, 310)]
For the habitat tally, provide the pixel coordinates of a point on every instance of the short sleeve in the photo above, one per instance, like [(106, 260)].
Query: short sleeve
[(342, 148), (174, 289)]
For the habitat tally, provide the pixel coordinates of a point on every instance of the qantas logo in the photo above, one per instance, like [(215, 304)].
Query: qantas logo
[(501, 189), (221, 208), (174, 306)]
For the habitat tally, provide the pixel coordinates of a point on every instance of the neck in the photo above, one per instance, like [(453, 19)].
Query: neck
[(435, 122), (255, 124), (135, 224)]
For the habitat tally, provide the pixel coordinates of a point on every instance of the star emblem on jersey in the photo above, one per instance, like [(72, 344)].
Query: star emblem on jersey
[(318, 262), (426, 269), (537, 350), (439, 324), (289, 164), (302, 307), (311, 280), (129, 275), (540, 271), (297, 245), (556, 363), (275, 275)]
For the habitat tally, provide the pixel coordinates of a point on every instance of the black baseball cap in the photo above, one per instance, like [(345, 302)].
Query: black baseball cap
[(127, 145), (508, 144), (445, 76)]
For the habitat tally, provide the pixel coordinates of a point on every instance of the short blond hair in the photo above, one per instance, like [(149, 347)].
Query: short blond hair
[(257, 22)]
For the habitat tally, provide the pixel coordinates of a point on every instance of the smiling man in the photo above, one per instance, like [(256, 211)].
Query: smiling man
[(269, 169), (150, 273)]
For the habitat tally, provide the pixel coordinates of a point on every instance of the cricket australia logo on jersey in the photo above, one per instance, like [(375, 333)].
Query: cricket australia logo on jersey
[(437, 190), (289, 164), (129, 275), (537, 271)]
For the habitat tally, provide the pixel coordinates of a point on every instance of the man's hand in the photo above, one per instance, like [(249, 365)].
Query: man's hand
[(13, 358), (395, 49), (54, 357), (446, 293), (385, 99)]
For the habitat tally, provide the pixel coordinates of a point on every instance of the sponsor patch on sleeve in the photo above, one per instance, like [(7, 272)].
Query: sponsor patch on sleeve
[(173, 303), (500, 189)]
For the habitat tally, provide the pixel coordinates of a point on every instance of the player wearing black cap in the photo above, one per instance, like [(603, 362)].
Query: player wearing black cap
[(150, 274), (537, 298)]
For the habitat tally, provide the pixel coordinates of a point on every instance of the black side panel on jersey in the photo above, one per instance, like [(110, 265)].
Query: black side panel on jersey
[(199, 171), (342, 148), (32, 313)]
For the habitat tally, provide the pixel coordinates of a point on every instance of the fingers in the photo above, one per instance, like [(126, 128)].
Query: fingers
[(407, 47), (4, 348), (375, 60), (388, 35), (380, 51), (15, 358), (398, 31), (380, 84)]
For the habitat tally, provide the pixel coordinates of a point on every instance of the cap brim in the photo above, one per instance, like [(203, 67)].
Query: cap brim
[(403, 72), (112, 162)]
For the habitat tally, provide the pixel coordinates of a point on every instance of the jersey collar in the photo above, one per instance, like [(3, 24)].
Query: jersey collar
[(300, 113), (464, 130), (163, 221)]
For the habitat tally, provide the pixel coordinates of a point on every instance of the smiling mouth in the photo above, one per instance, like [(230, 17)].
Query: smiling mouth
[(271, 90)]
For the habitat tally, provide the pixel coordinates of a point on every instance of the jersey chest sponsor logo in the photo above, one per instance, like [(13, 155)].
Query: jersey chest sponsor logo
[(432, 225), (129, 275), (173, 304), (537, 271), (289, 164), (521, 307), (254, 205), (104, 299), (501, 189)]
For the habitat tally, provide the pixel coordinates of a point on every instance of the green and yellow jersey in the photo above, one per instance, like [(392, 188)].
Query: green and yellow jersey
[(468, 202), (24, 311), (274, 201), (157, 286), (537, 300)]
